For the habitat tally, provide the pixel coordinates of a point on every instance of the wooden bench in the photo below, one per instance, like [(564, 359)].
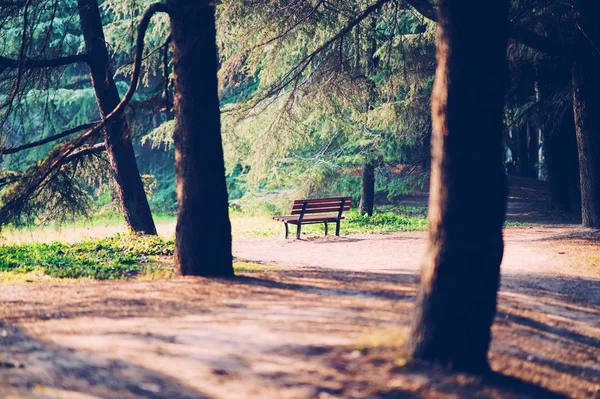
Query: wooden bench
[(320, 210)]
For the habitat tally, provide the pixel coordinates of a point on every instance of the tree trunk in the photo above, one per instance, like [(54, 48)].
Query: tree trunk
[(117, 134), (367, 197), (523, 151), (560, 150), (456, 303), (533, 147), (586, 105), (203, 233)]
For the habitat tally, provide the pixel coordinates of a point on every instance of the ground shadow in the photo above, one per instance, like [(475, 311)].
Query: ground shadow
[(567, 290), (372, 370), (336, 371), (34, 368), (583, 234)]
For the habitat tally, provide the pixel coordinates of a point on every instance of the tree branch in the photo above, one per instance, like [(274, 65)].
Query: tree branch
[(425, 8), (47, 140), (291, 28), (296, 72), (17, 83), (32, 63), (9, 179), (517, 33), (538, 42), (91, 150)]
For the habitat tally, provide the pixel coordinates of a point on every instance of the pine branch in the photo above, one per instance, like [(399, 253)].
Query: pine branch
[(294, 74), (32, 63), (83, 152), (47, 140)]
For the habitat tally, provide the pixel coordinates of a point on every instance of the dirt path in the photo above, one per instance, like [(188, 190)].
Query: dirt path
[(326, 319), (526, 252)]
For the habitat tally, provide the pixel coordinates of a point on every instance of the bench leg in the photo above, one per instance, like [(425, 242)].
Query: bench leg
[(286, 231), (298, 231), (325, 228), (337, 229)]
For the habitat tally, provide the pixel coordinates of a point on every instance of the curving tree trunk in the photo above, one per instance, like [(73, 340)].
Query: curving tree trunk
[(117, 134), (456, 303), (203, 233), (586, 105)]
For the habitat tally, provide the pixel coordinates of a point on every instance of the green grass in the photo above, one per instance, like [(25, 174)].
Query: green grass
[(516, 223), (117, 257), (387, 219)]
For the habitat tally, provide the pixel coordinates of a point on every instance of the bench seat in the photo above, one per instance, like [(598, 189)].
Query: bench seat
[(293, 219), (318, 210)]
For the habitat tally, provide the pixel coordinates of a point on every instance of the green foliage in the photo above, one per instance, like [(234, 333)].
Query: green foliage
[(117, 257), (362, 98), (405, 185), (387, 219), (52, 100), (343, 112)]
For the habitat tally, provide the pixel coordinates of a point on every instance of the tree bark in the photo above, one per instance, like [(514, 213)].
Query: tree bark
[(586, 106), (456, 303), (523, 151), (533, 146), (117, 134), (560, 152), (203, 233), (367, 197)]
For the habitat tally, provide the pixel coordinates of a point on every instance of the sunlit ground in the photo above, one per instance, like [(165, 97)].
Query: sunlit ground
[(242, 227), (387, 219)]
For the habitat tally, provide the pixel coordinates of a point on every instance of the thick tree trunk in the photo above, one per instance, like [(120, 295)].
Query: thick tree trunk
[(586, 105), (128, 183), (367, 197), (456, 303), (203, 233)]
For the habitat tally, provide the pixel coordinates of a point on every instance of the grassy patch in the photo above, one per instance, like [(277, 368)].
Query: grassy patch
[(387, 219), (244, 266), (516, 223), (245, 226), (116, 257)]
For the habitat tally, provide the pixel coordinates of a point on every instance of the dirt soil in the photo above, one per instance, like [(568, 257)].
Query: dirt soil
[(326, 318)]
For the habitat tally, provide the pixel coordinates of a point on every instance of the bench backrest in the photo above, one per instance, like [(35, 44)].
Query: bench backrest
[(322, 205)]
